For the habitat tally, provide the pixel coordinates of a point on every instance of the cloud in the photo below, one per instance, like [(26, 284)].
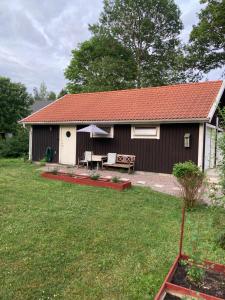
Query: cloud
[(36, 37)]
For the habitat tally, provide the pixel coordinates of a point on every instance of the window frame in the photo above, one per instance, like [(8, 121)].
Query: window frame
[(135, 135), (110, 135)]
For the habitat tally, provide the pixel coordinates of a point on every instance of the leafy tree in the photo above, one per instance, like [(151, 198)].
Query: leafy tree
[(62, 93), (42, 93), (208, 37), (51, 96), (100, 64), (14, 103), (150, 30)]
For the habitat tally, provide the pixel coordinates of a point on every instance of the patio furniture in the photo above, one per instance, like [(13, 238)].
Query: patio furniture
[(87, 158), (120, 161), (91, 129), (98, 159)]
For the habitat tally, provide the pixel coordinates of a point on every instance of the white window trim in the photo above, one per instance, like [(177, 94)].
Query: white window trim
[(108, 136), (152, 137)]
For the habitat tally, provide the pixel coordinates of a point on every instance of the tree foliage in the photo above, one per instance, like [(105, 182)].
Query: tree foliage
[(14, 104), (150, 30), (52, 96), (42, 93), (208, 37), (17, 145), (100, 64), (62, 93)]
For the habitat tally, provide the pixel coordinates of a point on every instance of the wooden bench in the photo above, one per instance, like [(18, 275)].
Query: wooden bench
[(125, 161)]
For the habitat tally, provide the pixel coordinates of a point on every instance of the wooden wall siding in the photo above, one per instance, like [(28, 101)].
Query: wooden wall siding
[(42, 138), (151, 155)]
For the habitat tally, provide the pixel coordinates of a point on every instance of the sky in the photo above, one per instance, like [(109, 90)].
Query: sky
[(36, 37)]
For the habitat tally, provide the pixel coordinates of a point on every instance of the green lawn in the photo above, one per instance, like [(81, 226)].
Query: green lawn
[(64, 241)]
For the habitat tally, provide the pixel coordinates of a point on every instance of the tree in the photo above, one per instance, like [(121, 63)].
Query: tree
[(14, 103), (51, 96), (41, 93), (207, 39), (100, 64), (62, 93), (150, 30)]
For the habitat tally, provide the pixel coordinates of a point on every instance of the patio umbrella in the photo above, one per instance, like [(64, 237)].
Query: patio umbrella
[(92, 129)]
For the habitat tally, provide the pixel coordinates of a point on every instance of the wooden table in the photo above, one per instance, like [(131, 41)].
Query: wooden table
[(98, 159)]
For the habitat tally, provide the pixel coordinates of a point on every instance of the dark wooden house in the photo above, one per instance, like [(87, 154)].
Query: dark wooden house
[(160, 125)]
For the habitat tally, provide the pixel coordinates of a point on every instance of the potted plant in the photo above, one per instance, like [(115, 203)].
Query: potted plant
[(190, 277)]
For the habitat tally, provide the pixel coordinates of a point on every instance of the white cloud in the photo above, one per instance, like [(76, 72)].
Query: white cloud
[(36, 37)]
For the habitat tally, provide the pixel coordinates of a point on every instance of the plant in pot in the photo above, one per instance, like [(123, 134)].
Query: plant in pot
[(191, 276)]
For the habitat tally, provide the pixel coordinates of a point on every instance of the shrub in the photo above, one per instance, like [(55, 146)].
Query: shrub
[(16, 146), (115, 179), (95, 176), (191, 180)]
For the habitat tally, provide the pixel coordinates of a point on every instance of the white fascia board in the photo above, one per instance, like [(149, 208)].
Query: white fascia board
[(199, 120), (216, 102)]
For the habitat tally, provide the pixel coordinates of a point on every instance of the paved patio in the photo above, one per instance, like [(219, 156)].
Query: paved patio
[(165, 183)]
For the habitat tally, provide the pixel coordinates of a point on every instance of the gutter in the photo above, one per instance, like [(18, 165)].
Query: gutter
[(159, 121)]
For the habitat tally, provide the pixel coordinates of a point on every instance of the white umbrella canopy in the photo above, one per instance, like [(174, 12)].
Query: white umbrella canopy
[(92, 129)]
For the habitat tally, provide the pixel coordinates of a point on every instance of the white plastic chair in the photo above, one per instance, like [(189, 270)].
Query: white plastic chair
[(87, 158), (111, 159)]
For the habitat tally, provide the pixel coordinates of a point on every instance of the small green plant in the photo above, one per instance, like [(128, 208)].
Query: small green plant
[(43, 162), (191, 179), (195, 273), (116, 179), (95, 176)]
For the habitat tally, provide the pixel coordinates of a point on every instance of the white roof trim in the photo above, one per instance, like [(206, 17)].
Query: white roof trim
[(216, 102), (159, 121)]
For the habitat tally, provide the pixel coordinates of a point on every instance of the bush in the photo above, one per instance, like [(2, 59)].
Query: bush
[(95, 176), (116, 179), (16, 146), (191, 180)]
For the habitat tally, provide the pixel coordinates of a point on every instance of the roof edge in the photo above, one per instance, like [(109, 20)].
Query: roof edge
[(196, 120), (216, 102), (22, 120)]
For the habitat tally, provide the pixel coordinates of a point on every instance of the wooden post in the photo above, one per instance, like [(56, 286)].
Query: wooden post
[(182, 231)]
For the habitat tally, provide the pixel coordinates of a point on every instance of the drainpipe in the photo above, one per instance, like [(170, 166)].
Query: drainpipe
[(203, 152), (216, 142)]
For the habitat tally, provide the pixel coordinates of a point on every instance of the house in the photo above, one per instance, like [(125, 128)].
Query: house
[(160, 125)]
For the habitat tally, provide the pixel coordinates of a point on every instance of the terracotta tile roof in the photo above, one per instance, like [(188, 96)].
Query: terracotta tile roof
[(174, 102)]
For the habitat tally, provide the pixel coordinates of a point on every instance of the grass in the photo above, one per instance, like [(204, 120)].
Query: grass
[(64, 241)]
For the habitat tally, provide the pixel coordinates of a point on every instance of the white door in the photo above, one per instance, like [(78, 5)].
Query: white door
[(67, 145), (210, 147)]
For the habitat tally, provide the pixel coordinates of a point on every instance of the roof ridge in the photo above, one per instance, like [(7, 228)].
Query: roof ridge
[(147, 88)]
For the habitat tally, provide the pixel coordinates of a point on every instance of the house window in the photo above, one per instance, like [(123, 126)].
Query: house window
[(108, 128), (145, 132)]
